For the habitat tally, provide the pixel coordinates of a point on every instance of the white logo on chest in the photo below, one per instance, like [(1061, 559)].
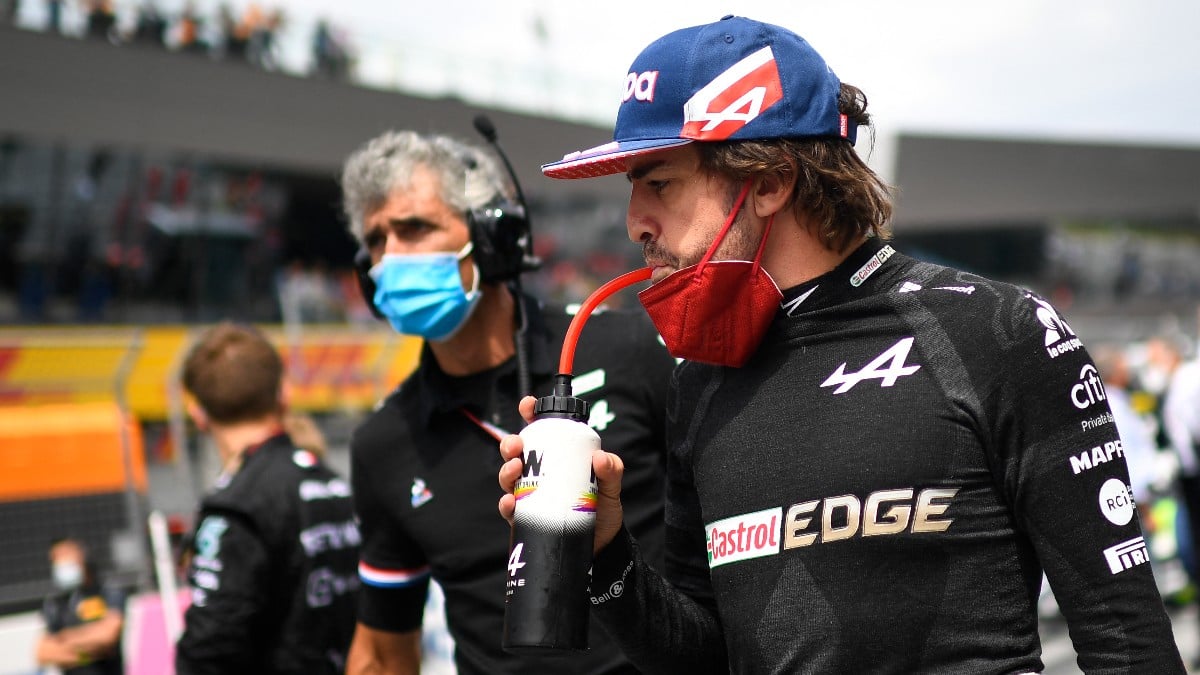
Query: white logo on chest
[(893, 358)]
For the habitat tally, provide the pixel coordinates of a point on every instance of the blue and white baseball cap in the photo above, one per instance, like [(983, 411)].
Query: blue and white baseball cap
[(735, 79)]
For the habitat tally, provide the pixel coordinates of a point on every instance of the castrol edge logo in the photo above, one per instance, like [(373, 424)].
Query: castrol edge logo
[(822, 521), (752, 535)]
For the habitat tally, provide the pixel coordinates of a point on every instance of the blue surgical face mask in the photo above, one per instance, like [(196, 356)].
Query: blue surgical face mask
[(422, 293)]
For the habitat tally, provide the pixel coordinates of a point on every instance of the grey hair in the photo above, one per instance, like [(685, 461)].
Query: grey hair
[(469, 176)]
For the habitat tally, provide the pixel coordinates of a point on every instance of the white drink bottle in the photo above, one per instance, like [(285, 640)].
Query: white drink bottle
[(550, 552)]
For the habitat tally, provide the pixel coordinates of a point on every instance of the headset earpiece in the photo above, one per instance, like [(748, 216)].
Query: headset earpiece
[(502, 241), (362, 271), (500, 230)]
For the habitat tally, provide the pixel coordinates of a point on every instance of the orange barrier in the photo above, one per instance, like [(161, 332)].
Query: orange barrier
[(70, 449)]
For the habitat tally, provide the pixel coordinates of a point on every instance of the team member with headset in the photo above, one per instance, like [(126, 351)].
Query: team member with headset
[(443, 247)]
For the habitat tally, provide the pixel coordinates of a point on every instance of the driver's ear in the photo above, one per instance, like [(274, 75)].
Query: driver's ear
[(772, 192)]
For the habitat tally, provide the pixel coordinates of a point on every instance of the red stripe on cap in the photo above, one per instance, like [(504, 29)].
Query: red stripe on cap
[(740, 103), (592, 167), (602, 165)]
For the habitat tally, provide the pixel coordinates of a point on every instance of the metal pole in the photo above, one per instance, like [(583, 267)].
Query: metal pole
[(164, 569), (133, 505), (177, 419)]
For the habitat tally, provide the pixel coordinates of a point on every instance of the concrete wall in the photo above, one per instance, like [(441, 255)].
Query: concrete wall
[(965, 182), (86, 91), (91, 92)]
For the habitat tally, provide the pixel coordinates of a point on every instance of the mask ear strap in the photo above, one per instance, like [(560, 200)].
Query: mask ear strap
[(762, 245), (466, 251), (733, 213)]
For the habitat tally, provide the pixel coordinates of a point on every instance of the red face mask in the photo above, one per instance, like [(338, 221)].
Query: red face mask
[(715, 311)]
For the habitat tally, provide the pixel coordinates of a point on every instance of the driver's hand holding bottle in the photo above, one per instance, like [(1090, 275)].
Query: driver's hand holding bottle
[(608, 468)]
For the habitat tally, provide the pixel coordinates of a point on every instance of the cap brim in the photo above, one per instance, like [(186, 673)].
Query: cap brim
[(606, 159)]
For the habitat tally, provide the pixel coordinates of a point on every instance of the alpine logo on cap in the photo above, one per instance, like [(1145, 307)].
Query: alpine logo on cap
[(733, 99)]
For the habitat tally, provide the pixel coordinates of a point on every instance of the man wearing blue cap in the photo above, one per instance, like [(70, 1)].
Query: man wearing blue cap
[(871, 460)]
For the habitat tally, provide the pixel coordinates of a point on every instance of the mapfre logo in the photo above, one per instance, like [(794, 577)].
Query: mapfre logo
[(733, 99)]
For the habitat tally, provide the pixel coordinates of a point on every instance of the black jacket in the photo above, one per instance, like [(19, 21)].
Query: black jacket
[(879, 489), (274, 569), (425, 485)]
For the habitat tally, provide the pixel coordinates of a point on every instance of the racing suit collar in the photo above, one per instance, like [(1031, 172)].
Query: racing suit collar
[(859, 274)]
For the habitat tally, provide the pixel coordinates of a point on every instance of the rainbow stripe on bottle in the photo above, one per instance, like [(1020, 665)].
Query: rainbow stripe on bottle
[(585, 504)]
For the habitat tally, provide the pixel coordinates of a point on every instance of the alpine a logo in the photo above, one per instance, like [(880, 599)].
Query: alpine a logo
[(1126, 554), (793, 305), (893, 358), (733, 99), (1060, 339), (910, 287)]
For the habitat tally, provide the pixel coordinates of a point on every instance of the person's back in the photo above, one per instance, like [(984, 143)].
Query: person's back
[(273, 567), (288, 520)]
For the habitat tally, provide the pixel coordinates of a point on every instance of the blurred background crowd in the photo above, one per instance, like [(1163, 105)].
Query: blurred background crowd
[(247, 36)]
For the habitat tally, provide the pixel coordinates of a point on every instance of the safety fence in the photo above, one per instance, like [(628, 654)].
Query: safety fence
[(76, 457), (330, 368)]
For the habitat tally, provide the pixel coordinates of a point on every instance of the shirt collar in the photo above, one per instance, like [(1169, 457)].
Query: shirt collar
[(439, 393)]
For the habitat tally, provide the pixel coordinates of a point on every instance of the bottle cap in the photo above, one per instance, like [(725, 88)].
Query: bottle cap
[(561, 403)]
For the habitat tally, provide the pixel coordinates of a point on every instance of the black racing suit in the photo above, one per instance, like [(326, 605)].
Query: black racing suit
[(273, 572), (880, 487), (425, 489)]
